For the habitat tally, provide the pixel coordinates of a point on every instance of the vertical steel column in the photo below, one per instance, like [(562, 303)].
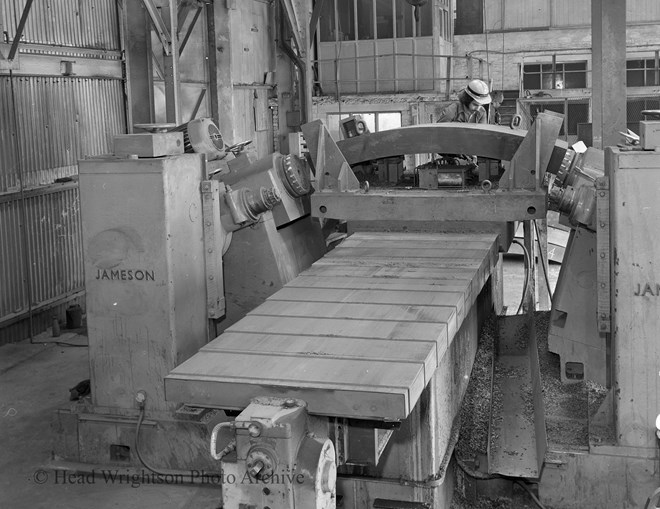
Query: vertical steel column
[(222, 74), (171, 63), (608, 34), (139, 70)]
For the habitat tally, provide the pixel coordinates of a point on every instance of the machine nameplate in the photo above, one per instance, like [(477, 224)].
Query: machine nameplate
[(652, 289), (126, 275)]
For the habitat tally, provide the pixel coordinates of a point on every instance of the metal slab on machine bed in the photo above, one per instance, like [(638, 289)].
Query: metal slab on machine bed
[(359, 334)]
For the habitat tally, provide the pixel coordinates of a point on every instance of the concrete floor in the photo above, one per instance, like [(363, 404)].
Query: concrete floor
[(35, 381)]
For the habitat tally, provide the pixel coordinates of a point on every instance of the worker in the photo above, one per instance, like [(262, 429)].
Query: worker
[(470, 105)]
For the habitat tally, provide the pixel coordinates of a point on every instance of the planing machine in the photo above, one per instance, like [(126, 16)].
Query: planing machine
[(225, 338)]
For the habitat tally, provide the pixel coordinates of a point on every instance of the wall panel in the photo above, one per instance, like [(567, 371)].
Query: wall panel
[(526, 13), (76, 23), (493, 15), (642, 11), (48, 121), (571, 13), (60, 120), (251, 48), (41, 233)]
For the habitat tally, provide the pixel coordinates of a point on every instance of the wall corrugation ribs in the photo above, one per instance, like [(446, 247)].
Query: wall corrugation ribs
[(60, 120), (73, 23)]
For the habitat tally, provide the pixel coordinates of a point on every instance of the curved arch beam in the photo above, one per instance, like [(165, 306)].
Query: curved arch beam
[(495, 142)]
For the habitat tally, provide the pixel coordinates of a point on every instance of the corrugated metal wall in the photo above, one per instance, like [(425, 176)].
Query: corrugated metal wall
[(48, 123), (59, 121), (74, 23), (52, 237)]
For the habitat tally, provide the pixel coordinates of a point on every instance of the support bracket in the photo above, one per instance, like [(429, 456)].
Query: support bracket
[(183, 16), (296, 26), (19, 30), (529, 163), (159, 24), (603, 250), (213, 247)]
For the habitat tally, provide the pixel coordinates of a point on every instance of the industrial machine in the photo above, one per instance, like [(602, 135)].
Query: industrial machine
[(179, 242), (337, 380)]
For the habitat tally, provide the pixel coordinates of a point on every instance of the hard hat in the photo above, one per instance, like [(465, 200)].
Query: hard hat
[(478, 90)]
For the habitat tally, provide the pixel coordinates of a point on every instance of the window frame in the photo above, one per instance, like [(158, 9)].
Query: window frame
[(539, 70), (353, 15), (650, 68)]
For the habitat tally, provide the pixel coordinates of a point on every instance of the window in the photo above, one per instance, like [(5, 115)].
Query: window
[(565, 75), (346, 21), (634, 108), (642, 73), (393, 18), (365, 20), (470, 16), (425, 23), (384, 19), (405, 21), (327, 22), (445, 25), (575, 112), (380, 121)]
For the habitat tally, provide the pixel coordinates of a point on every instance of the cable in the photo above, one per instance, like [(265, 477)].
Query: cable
[(486, 34), (58, 343), (502, 88), (483, 476), (527, 272), (543, 261), (137, 444), (184, 474)]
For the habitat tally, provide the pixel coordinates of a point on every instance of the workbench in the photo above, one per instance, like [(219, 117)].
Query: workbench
[(358, 335)]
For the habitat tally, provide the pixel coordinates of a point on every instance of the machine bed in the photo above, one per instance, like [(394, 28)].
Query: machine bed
[(359, 334)]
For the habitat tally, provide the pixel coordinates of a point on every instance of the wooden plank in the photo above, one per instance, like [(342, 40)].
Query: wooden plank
[(348, 312), (384, 350), (351, 311), (324, 346), (342, 328), (361, 283), (352, 241), (331, 374), (412, 263), (437, 253), (450, 276), (422, 236), (374, 296), (209, 392), (359, 334), (447, 274), (341, 378)]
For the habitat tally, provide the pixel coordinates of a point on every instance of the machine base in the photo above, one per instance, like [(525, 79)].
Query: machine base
[(607, 476), (166, 443), (393, 493)]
